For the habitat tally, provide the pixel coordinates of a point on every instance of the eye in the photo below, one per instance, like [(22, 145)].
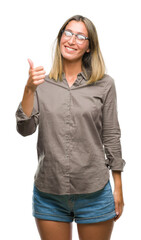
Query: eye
[(80, 37), (68, 34)]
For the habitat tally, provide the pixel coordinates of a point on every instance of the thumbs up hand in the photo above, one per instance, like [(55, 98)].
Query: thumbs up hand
[(36, 76)]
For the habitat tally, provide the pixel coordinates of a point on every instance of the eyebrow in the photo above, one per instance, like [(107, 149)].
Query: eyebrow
[(76, 33)]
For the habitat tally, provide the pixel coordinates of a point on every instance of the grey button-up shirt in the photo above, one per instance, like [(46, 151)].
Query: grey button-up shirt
[(78, 134)]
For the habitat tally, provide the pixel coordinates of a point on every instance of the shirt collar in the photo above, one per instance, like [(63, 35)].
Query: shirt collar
[(83, 75), (80, 77)]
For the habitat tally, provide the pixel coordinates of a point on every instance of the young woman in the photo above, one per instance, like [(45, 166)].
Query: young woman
[(75, 109)]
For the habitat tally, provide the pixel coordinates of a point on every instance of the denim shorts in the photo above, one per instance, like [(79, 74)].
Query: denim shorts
[(83, 208)]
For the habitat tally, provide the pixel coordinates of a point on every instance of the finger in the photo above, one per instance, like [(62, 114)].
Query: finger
[(39, 68), (117, 208), (118, 214), (120, 209), (38, 77), (38, 73), (116, 218), (30, 63), (38, 82)]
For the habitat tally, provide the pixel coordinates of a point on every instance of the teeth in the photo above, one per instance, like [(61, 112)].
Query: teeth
[(71, 49)]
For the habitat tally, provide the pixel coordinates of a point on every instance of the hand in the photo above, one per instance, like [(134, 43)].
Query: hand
[(36, 76), (119, 203)]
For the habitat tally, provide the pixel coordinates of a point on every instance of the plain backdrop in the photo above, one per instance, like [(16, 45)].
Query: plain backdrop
[(28, 30)]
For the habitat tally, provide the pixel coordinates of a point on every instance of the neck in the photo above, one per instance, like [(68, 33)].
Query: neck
[(71, 69)]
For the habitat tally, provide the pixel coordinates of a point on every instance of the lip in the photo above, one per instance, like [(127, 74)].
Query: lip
[(70, 47)]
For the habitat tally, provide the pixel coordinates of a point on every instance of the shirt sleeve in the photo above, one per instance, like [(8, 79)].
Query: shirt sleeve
[(111, 132), (27, 125)]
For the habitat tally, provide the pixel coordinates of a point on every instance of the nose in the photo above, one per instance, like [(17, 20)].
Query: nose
[(72, 39)]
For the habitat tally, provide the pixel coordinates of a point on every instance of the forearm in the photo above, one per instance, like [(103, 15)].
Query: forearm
[(28, 101), (117, 179), (118, 194)]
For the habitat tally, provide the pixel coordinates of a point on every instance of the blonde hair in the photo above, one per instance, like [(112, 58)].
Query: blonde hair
[(93, 64)]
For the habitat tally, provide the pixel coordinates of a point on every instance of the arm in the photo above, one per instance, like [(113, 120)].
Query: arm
[(27, 101), (111, 130), (118, 193), (27, 114), (111, 139)]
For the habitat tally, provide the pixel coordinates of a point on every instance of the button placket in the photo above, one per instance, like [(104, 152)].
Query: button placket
[(68, 139)]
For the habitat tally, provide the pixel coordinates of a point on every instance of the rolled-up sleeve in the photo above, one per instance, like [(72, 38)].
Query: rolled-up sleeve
[(27, 125), (111, 132)]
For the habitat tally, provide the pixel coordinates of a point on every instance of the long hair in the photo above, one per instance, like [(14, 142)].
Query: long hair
[(93, 64)]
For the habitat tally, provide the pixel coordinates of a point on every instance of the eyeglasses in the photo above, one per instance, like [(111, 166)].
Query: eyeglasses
[(78, 37)]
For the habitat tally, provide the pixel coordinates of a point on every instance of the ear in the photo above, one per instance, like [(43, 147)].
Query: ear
[(88, 50)]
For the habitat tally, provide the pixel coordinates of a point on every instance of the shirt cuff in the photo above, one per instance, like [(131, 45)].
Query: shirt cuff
[(117, 165), (22, 116)]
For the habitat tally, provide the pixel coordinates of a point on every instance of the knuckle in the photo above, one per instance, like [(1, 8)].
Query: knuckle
[(41, 77), (32, 74), (35, 83), (30, 70), (40, 68)]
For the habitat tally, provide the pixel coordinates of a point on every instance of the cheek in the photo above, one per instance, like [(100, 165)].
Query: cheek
[(83, 50), (86, 46)]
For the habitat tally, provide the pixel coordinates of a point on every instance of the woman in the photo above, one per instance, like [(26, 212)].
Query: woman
[(76, 112)]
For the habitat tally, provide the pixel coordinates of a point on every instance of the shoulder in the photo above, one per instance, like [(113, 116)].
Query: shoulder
[(108, 82), (47, 78), (105, 83), (107, 79)]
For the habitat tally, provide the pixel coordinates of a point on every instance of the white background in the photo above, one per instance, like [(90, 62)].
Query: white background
[(28, 30)]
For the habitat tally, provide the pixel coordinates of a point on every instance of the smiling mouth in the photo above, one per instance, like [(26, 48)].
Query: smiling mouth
[(70, 49)]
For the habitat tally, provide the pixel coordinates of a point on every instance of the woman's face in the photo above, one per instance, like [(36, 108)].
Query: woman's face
[(70, 49)]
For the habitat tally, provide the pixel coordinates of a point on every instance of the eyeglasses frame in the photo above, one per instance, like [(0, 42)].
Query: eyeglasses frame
[(85, 38)]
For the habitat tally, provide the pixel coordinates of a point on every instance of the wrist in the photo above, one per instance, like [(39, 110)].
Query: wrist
[(29, 90)]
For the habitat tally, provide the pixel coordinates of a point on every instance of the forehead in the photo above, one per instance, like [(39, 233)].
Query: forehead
[(77, 27)]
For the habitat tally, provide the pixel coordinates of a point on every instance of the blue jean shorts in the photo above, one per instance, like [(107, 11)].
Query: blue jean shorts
[(83, 208)]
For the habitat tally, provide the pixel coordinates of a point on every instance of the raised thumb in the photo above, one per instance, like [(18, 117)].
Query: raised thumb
[(30, 63)]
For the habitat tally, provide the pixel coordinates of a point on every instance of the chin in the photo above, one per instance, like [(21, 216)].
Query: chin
[(70, 58)]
